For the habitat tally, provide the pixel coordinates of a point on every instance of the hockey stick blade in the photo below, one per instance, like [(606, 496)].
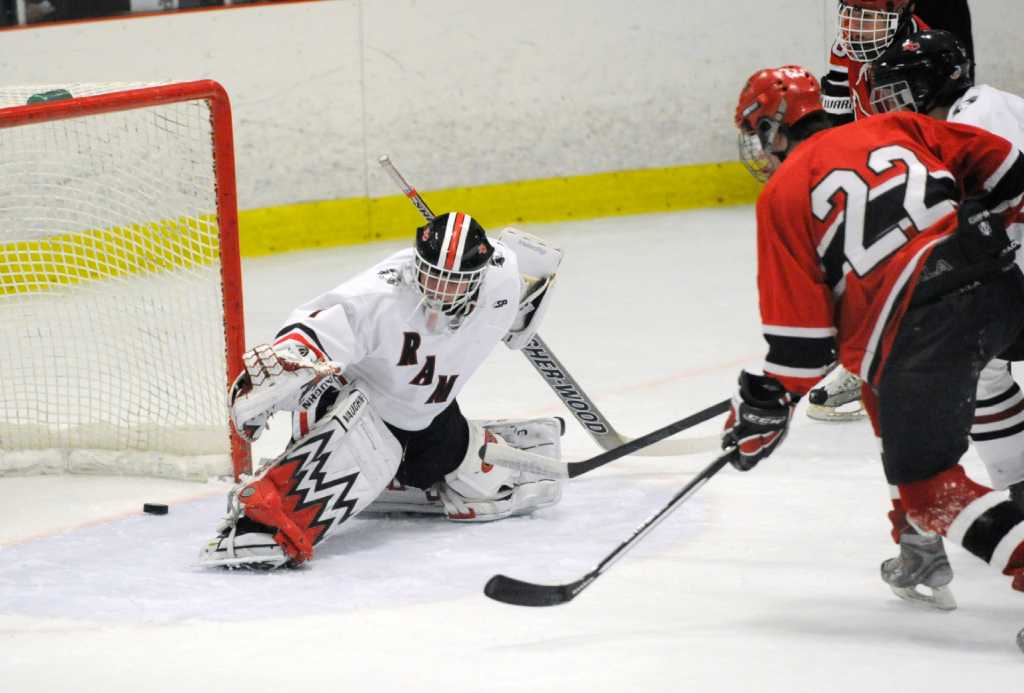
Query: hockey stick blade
[(502, 588), (520, 593), (526, 461)]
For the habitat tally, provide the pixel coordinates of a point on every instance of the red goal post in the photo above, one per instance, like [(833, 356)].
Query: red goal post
[(120, 283)]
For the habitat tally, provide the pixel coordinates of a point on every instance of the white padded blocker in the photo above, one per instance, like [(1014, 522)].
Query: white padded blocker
[(351, 439), (542, 436), (473, 479), (538, 266)]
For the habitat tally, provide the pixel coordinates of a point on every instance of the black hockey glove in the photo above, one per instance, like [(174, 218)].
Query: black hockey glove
[(982, 237), (758, 420)]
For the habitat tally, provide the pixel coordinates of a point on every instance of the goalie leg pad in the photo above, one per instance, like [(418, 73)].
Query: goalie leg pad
[(481, 492), (318, 483)]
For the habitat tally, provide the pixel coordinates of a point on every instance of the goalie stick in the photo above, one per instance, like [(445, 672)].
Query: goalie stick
[(557, 376), (521, 593), (529, 462)]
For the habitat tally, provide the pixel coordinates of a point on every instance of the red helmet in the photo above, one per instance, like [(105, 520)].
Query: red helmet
[(771, 100), (782, 94), (868, 27)]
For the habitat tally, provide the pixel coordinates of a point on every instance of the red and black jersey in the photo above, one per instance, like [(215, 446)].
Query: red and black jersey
[(844, 227), (845, 93)]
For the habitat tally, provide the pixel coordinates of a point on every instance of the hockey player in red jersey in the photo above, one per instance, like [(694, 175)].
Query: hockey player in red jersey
[(931, 72), (885, 240), (371, 372), (865, 29)]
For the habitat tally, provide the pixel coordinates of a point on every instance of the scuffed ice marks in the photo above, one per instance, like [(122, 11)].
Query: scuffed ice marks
[(144, 568)]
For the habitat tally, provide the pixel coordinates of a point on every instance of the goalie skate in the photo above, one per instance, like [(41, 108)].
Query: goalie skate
[(838, 399), (922, 563), (243, 543)]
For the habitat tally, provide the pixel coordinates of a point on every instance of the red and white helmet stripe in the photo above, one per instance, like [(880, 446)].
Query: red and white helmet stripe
[(455, 231)]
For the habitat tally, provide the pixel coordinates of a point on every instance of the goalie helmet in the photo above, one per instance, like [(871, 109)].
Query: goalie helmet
[(771, 103), (452, 253), (868, 27), (927, 69)]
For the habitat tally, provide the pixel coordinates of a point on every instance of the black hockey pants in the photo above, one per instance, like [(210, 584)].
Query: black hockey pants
[(927, 389), (439, 448)]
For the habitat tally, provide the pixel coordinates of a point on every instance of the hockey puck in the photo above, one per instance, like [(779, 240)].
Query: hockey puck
[(154, 508), (1020, 639)]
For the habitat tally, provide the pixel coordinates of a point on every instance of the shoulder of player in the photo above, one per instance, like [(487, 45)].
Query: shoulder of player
[(503, 272), (379, 284), (837, 57)]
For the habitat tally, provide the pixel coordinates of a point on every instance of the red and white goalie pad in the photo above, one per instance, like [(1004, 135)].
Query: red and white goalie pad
[(477, 491), (538, 268), (302, 497)]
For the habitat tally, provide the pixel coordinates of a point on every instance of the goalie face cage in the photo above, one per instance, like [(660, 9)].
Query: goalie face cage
[(120, 286)]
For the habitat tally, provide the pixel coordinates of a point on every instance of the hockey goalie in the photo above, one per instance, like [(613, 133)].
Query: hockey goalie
[(371, 372)]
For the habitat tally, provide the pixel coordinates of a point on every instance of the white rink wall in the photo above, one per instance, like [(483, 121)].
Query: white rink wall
[(466, 92)]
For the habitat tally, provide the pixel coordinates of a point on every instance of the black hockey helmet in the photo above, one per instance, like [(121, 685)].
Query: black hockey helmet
[(925, 70), (452, 252)]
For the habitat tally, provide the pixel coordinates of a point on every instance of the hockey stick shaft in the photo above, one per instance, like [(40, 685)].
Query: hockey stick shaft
[(538, 464), (403, 185), (511, 591), (554, 373)]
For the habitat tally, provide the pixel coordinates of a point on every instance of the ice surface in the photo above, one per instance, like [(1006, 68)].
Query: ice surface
[(766, 581)]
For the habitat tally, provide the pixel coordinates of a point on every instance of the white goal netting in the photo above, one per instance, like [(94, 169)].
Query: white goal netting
[(112, 318)]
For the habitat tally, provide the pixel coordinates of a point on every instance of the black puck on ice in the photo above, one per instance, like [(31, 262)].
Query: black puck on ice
[(154, 508), (1020, 639)]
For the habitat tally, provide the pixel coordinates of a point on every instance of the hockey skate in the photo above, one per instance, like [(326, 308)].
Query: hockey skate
[(243, 543), (922, 563), (838, 399)]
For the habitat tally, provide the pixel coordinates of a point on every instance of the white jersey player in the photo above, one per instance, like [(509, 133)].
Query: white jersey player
[(930, 72), (371, 371)]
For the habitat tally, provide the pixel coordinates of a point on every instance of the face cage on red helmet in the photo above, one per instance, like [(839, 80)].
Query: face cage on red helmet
[(865, 34), (755, 145)]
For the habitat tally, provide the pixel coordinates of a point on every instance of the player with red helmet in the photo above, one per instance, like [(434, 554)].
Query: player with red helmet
[(771, 104), (869, 247)]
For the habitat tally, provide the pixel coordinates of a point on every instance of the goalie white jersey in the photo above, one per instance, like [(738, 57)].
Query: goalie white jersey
[(371, 325)]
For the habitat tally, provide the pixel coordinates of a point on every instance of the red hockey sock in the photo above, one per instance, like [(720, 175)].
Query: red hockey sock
[(934, 503)]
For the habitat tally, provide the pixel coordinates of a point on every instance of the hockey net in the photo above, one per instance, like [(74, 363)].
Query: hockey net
[(120, 289)]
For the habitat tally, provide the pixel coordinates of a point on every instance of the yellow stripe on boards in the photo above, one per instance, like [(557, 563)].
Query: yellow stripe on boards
[(70, 258), (361, 220)]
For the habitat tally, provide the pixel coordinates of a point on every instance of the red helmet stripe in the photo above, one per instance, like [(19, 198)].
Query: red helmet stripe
[(457, 223)]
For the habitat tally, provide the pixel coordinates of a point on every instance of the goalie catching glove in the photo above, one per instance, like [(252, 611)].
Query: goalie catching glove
[(278, 378), (758, 420)]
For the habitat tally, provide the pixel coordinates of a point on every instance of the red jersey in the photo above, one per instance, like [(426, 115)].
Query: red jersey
[(845, 225), (844, 90)]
